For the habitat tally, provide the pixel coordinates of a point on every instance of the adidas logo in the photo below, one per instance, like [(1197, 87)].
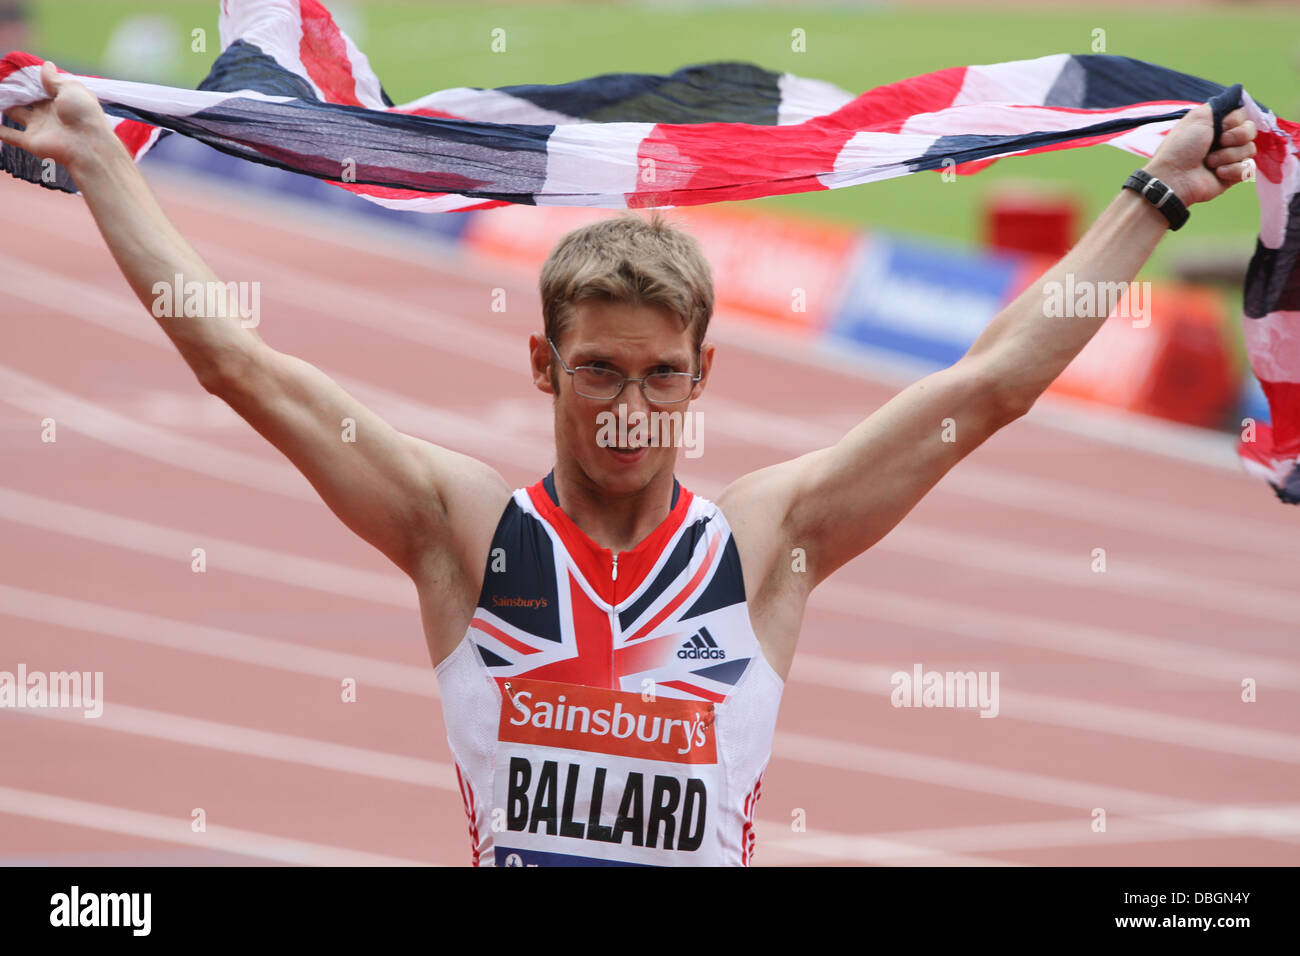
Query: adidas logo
[(701, 646)]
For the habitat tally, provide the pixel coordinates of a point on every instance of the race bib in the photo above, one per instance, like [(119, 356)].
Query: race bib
[(587, 776)]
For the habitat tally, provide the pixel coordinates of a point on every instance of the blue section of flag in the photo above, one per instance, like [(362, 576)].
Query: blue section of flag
[(1104, 81), (1254, 403), (192, 155), (727, 92)]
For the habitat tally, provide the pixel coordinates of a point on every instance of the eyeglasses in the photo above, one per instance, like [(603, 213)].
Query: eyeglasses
[(604, 384)]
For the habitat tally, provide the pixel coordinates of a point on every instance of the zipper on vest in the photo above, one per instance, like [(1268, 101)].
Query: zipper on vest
[(613, 615)]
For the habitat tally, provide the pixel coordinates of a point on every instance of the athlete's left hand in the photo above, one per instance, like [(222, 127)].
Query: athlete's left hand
[(1180, 162)]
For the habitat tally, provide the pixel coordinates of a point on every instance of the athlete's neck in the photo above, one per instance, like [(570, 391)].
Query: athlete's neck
[(616, 522)]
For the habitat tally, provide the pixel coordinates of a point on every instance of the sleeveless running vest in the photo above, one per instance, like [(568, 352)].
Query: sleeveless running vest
[(610, 709)]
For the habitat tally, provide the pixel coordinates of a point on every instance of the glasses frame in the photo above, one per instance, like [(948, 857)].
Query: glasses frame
[(640, 381)]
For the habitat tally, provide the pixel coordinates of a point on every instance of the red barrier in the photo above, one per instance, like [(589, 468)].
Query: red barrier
[(1176, 367), (1021, 219)]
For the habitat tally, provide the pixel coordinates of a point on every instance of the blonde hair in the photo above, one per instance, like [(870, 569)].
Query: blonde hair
[(630, 260)]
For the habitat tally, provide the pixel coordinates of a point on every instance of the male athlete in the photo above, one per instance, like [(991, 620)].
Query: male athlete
[(610, 648)]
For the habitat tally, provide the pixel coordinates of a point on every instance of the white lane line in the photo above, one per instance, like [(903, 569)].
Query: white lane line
[(1157, 437), (315, 574), (1191, 821), (175, 728), (799, 435), (822, 847), (348, 303), (858, 602), (1019, 704), (990, 556), (1133, 578), (978, 778), (803, 748), (790, 434), (218, 642), (318, 754), (977, 551), (230, 556), (450, 258), (250, 742), (485, 344), (1062, 637), (154, 826), (71, 412), (936, 846)]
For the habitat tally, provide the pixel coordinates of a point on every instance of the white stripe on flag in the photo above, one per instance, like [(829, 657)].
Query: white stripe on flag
[(868, 157), (1023, 81), (998, 119), (1273, 343), (168, 100), (597, 165), (274, 26), (803, 99), (489, 106)]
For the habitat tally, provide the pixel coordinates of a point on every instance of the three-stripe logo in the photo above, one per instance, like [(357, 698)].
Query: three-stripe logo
[(701, 646)]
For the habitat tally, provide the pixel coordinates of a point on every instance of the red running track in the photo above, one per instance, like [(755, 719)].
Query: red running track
[(1119, 691)]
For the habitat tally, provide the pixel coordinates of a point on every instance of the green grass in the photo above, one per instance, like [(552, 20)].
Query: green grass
[(419, 47)]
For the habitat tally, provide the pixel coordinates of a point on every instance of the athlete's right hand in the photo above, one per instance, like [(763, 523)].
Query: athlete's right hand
[(66, 128)]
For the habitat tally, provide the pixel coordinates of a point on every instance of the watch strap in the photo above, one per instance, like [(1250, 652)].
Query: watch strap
[(1158, 194)]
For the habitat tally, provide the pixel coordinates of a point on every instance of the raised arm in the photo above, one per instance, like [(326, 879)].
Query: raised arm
[(395, 491), (839, 501)]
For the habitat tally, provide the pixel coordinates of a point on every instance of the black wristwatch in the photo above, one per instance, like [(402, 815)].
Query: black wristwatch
[(1159, 195)]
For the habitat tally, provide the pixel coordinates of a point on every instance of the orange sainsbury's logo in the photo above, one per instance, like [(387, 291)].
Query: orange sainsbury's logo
[(600, 720), (499, 601)]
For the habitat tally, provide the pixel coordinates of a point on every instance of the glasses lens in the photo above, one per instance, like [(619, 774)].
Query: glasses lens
[(668, 387), (600, 383)]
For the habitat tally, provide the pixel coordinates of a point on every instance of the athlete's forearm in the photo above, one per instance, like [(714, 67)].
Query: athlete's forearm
[(1035, 337), (149, 250)]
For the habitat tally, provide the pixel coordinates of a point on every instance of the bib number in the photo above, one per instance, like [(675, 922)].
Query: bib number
[(588, 776)]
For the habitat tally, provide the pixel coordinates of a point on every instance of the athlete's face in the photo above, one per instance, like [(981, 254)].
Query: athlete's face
[(615, 442)]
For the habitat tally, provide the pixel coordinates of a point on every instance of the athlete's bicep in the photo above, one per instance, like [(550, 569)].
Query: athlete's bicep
[(388, 487)]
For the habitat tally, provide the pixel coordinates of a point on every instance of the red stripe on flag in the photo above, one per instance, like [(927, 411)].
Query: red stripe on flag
[(325, 55), (1284, 403), (15, 61), (424, 111), (593, 664), (690, 164), (584, 552), (645, 656), (886, 108), (685, 592), (134, 135), (409, 195), (503, 637), (692, 689)]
